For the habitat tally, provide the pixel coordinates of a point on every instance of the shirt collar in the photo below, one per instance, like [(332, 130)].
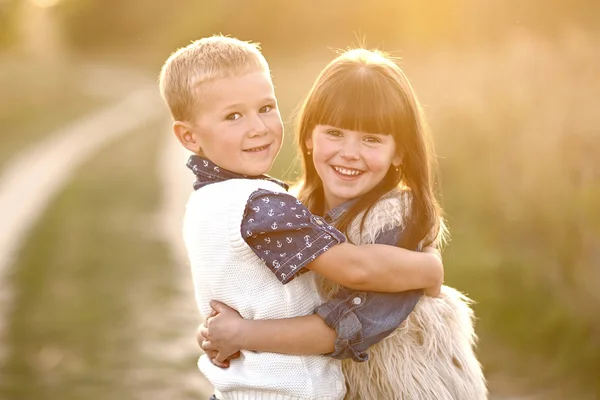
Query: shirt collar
[(336, 212), (208, 172)]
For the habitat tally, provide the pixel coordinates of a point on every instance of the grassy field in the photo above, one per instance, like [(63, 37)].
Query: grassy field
[(36, 101), (91, 271), (516, 130)]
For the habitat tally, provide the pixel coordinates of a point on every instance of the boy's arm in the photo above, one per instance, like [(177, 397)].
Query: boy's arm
[(287, 237), (381, 268)]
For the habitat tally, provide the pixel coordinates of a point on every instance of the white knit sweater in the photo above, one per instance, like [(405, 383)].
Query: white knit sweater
[(225, 268)]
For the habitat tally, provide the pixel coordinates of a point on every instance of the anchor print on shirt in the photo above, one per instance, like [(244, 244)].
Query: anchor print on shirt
[(284, 233)]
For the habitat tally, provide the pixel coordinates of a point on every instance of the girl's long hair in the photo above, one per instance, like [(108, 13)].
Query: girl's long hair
[(363, 90)]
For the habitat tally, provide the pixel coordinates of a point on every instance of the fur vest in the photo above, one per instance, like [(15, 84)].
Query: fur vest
[(431, 356)]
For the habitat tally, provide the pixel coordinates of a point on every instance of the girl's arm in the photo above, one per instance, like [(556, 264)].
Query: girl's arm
[(225, 333), (345, 327)]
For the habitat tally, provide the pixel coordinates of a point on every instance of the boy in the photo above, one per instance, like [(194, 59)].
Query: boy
[(249, 242)]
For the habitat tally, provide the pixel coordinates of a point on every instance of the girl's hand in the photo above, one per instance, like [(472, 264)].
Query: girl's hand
[(222, 334), (202, 338), (434, 291)]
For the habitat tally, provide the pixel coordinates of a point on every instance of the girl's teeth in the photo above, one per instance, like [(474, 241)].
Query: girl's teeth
[(349, 172)]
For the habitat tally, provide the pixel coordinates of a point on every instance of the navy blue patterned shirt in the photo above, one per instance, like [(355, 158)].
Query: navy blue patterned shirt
[(277, 226)]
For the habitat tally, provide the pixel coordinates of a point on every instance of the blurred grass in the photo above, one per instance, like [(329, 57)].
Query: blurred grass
[(37, 100), (91, 266), (516, 130)]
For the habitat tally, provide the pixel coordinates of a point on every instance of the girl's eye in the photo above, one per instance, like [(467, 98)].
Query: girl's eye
[(334, 133), (233, 116), (266, 109), (372, 139)]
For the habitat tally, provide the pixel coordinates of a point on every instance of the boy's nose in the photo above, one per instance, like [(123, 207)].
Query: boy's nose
[(257, 127)]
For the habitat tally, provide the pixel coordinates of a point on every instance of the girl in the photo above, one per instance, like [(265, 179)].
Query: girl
[(368, 167)]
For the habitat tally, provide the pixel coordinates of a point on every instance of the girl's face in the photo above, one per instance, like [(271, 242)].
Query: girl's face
[(350, 163)]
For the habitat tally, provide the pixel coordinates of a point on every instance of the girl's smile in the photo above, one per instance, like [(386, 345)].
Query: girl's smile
[(347, 173)]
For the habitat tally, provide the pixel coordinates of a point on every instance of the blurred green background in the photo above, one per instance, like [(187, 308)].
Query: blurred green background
[(93, 304)]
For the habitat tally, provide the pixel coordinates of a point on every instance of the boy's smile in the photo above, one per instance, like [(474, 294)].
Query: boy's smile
[(238, 125)]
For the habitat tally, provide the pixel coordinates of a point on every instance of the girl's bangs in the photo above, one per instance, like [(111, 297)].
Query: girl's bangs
[(359, 102)]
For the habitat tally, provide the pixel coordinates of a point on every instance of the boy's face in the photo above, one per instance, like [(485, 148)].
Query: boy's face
[(238, 126)]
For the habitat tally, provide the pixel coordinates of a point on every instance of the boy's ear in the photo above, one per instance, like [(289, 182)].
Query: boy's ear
[(183, 132)]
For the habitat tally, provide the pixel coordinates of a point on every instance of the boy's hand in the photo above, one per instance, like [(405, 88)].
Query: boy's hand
[(434, 291), (220, 336)]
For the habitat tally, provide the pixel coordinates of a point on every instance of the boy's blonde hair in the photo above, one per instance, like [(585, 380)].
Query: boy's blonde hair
[(202, 61)]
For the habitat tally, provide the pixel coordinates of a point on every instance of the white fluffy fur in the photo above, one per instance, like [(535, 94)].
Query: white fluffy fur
[(431, 355)]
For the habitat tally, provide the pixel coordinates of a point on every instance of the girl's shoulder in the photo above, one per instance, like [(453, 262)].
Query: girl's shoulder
[(395, 205), (394, 196), (389, 212)]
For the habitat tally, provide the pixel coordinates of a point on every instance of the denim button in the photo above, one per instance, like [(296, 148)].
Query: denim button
[(357, 300)]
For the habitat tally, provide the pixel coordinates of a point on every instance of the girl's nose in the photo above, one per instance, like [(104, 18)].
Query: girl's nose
[(350, 151)]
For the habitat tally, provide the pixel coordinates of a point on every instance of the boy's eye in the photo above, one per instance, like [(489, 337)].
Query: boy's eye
[(265, 109), (233, 116)]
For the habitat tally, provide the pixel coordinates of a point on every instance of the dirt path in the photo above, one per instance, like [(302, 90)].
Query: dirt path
[(50, 164)]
